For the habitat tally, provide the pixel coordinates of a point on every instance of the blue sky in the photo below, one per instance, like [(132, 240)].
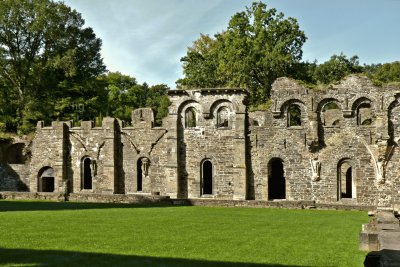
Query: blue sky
[(147, 38)]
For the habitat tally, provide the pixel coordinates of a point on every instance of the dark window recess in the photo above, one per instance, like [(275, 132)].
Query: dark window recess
[(207, 182)]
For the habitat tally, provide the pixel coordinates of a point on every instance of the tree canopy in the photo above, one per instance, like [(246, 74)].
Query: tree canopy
[(47, 57), (51, 69), (258, 46), (125, 95)]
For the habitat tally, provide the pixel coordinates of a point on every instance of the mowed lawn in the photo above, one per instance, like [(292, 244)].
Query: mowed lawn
[(83, 234)]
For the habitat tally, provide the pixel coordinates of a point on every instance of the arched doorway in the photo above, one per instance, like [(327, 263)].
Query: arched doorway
[(207, 178), (87, 174), (276, 180), (346, 186), (46, 180)]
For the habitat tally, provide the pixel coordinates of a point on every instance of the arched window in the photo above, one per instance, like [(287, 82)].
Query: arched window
[(87, 174), (332, 114), (46, 180), (190, 118), (223, 117), (206, 178), (364, 114), (294, 115)]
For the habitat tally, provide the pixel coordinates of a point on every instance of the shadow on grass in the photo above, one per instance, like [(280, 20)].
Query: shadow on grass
[(389, 257), (12, 205), (28, 257)]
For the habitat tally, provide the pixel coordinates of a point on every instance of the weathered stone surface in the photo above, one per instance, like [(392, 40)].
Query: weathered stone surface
[(339, 147), (382, 236)]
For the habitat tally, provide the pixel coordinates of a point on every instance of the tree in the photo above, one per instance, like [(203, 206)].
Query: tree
[(200, 64), (125, 95), (336, 68), (385, 73), (46, 57), (258, 46)]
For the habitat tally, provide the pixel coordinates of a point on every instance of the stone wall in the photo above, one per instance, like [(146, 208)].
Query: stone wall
[(337, 145), (348, 125), (211, 150), (14, 165)]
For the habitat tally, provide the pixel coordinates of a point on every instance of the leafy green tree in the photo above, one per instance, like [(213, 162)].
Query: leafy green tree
[(200, 64), (258, 46), (385, 73), (336, 68), (44, 49), (125, 95)]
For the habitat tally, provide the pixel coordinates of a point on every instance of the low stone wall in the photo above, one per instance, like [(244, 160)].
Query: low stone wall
[(32, 196), (116, 198), (245, 203), (138, 198), (270, 204), (334, 206)]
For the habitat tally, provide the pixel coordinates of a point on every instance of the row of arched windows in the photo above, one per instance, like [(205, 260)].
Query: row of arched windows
[(223, 117), (88, 171), (276, 178), (331, 114)]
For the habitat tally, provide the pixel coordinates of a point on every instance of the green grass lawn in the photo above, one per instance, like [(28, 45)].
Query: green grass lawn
[(78, 234)]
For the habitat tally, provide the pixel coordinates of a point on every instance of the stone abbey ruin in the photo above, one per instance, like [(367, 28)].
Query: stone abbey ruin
[(338, 145)]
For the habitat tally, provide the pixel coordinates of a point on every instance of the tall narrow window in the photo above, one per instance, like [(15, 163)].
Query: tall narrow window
[(294, 115), (207, 178), (87, 174), (139, 173), (190, 118), (223, 117)]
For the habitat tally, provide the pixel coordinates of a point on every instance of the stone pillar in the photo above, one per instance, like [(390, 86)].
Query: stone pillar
[(239, 164), (172, 167), (110, 179)]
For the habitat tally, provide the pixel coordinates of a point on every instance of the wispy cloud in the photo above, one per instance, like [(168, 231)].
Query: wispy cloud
[(147, 38)]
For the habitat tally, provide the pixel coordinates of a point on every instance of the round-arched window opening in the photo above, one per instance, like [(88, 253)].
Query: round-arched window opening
[(190, 118), (294, 115), (223, 117)]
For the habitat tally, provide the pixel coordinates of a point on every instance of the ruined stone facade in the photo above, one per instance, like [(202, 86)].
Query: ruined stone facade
[(338, 145)]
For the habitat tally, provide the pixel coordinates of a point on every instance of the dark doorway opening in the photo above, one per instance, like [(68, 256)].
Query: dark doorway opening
[(139, 182), (46, 180), (87, 174), (276, 180), (47, 184), (207, 173), (347, 188)]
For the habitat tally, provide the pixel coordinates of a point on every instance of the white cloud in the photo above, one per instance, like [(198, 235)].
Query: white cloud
[(147, 38)]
